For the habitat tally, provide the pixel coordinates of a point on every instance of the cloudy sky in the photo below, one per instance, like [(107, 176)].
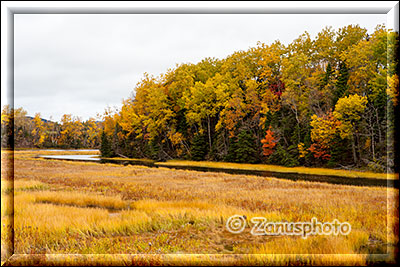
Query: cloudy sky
[(79, 64)]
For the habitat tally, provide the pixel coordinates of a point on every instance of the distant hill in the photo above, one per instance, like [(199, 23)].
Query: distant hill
[(44, 120), (47, 121)]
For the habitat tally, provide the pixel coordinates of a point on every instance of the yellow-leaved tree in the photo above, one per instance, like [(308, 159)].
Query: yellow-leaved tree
[(39, 131), (348, 111), (71, 131), (323, 133)]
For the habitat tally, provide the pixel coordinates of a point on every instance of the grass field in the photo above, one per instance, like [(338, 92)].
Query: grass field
[(165, 216)]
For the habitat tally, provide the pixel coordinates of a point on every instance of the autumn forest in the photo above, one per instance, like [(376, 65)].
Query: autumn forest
[(324, 101)]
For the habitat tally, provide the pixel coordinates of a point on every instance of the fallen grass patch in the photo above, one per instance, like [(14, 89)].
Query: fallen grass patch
[(81, 200)]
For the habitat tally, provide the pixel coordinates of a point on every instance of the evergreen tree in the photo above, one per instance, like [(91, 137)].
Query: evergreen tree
[(231, 155), (244, 149), (219, 148), (341, 82), (105, 148), (327, 75), (285, 156), (117, 145), (154, 150), (199, 147)]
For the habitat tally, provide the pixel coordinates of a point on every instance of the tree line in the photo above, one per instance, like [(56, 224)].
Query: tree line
[(323, 101), (21, 131)]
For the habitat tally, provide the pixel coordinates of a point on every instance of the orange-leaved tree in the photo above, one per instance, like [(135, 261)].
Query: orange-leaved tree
[(269, 142)]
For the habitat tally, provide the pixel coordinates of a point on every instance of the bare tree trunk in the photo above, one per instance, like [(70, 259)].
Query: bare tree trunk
[(165, 153), (353, 146), (371, 125), (379, 128), (358, 146), (298, 123), (209, 131), (186, 147), (373, 145), (225, 142)]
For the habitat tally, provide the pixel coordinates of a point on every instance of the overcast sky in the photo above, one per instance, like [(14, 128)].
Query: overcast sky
[(80, 64)]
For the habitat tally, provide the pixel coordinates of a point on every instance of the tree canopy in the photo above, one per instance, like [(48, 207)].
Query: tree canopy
[(302, 103)]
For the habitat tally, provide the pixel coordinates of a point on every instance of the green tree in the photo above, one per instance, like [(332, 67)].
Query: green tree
[(199, 147), (327, 76), (285, 156), (341, 86), (105, 148), (243, 149)]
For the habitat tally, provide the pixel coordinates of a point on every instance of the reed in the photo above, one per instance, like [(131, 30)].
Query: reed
[(179, 216)]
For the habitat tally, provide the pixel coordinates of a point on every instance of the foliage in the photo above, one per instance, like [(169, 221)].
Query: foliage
[(245, 148), (348, 111), (39, 132), (285, 156), (323, 133), (23, 131), (269, 142), (341, 82), (322, 96), (302, 150)]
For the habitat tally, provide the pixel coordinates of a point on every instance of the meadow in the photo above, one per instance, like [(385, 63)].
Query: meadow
[(89, 212)]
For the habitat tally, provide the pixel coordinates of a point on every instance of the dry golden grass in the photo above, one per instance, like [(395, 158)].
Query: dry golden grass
[(29, 185), (188, 259), (175, 216)]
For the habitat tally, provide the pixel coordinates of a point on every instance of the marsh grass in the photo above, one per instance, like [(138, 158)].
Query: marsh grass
[(178, 216), (154, 259)]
